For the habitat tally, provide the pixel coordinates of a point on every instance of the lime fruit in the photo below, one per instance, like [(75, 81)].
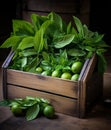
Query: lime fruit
[(39, 70), (75, 77), (17, 110), (56, 73), (49, 111), (66, 75), (77, 66), (45, 73)]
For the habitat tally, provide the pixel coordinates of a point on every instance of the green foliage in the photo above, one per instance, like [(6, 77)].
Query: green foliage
[(42, 41), (31, 106)]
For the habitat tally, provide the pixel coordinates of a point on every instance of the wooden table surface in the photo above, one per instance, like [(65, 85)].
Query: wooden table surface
[(98, 119)]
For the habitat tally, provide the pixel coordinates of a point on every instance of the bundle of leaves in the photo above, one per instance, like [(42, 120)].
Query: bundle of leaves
[(30, 107), (49, 42)]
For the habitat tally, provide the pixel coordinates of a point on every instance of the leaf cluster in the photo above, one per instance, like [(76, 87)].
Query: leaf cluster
[(47, 36), (32, 106)]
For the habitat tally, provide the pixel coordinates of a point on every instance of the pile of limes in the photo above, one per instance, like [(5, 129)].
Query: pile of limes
[(30, 107), (72, 74)]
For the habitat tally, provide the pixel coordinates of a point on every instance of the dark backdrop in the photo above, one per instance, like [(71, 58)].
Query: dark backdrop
[(100, 18)]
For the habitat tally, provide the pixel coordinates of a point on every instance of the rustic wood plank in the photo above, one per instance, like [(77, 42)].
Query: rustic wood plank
[(68, 6), (61, 104), (83, 86), (65, 9), (45, 83)]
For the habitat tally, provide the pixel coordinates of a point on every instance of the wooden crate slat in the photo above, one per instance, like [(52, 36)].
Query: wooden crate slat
[(83, 86), (61, 104), (49, 84)]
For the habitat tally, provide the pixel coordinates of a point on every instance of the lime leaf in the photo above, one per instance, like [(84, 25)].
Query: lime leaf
[(63, 41), (22, 28), (27, 42), (76, 52), (102, 64), (5, 103), (32, 112), (79, 26), (12, 41)]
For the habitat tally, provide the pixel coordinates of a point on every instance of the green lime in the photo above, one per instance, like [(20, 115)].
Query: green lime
[(56, 73), (76, 67), (39, 70), (45, 73), (66, 75), (16, 109), (75, 77), (49, 111)]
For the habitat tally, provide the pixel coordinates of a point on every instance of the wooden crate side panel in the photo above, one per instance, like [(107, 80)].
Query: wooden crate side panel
[(83, 86), (49, 84), (61, 104)]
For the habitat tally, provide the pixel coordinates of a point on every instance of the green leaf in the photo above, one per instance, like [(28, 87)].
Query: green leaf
[(87, 32), (102, 44), (30, 98), (69, 28), (102, 64), (28, 103), (39, 36), (89, 54), (89, 48), (63, 58), (98, 38), (23, 61), (56, 19), (31, 67), (46, 56), (63, 41), (76, 52), (23, 28), (79, 26), (32, 112), (38, 20), (12, 41), (5, 103), (44, 101), (28, 52), (27, 42)]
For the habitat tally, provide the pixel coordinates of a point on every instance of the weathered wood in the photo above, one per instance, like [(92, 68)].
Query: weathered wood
[(61, 104), (65, 9), (45, 83), (70, 6), (90, 87)]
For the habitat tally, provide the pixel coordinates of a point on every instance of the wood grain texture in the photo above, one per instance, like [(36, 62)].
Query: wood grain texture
[(65, 9), (45, 83), (90, 87), (61, 104)]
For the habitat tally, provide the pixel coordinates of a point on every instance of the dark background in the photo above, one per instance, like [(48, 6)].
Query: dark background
[(99, 19)]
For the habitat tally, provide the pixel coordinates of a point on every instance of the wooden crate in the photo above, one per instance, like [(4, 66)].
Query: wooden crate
[(74, 98)]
